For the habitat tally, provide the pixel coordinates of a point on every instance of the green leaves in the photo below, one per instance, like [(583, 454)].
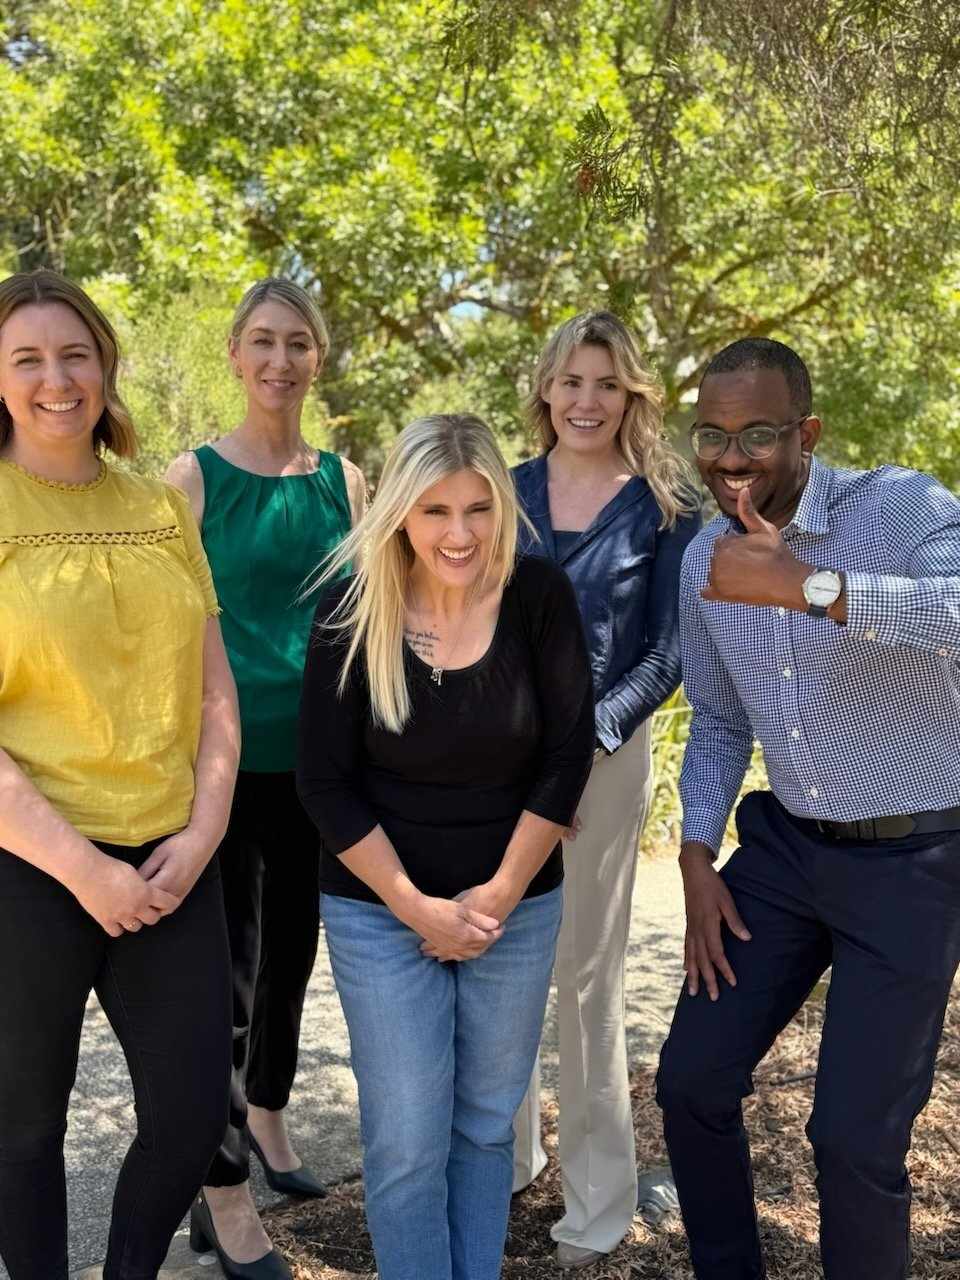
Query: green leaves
[(461, 175)]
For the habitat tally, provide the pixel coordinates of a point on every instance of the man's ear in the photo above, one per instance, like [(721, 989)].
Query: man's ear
[(810, 434)]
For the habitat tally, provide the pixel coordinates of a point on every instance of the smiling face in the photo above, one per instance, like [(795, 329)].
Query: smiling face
[(51, 374), (451, 529), (276, 356), (587, 401), (752, 397)]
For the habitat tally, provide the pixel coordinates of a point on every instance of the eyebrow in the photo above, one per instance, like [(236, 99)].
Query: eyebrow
[(297, 333), (480, 502), (83, 346), (756, 422)]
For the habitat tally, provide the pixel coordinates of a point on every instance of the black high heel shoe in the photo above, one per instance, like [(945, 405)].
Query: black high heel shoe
[(296, 1182), (203, 1239)]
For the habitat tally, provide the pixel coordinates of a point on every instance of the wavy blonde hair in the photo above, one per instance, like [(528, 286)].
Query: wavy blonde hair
[(279, 289), (372, 610), (114, 429), (640, 438)]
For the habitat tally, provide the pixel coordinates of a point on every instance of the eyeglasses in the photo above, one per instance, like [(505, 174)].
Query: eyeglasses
[(757, 442)]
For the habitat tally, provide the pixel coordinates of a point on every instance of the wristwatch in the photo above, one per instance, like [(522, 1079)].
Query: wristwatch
[(821, 589)]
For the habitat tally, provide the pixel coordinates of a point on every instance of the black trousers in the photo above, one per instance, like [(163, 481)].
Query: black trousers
[(886, 915), (166, 992), (270, 864)]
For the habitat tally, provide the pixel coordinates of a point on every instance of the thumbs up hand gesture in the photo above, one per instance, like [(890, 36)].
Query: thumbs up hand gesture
[(755, 567)]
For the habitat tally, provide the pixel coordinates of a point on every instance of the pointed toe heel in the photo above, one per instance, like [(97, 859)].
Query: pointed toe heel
[(203, 1239), (297, 1182)]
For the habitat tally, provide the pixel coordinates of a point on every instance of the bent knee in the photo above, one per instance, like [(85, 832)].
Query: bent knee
[(687, 1085)]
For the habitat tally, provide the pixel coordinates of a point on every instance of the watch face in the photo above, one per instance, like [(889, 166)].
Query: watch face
[(822, 588)]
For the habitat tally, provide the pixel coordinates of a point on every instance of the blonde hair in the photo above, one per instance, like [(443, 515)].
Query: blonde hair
[(114, 430), (278, 289), (372, 609), (640, 438)]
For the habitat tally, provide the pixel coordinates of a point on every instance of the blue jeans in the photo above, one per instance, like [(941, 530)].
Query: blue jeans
[(442, 1054)]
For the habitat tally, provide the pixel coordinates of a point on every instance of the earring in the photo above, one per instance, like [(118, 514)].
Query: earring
[(238, 373)]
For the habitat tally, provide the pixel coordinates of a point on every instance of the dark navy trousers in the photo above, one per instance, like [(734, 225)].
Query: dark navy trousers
[(886, 916)]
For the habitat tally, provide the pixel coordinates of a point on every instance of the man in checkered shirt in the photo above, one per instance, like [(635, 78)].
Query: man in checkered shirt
[(820, 615)]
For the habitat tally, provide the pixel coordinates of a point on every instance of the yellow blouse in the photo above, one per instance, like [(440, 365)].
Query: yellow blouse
[(104, 595)]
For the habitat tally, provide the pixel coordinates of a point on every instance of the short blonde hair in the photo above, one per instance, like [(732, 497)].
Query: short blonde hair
[(114, 430), (640, 439), (372, 610), (294, 296)]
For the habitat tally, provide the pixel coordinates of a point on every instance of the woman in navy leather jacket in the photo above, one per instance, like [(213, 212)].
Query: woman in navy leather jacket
[(616, 506)]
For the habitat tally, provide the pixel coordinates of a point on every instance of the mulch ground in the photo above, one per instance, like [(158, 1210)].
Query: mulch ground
[(327, 1240)]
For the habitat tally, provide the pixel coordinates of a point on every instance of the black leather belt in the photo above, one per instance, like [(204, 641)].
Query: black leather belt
[(928, 822)]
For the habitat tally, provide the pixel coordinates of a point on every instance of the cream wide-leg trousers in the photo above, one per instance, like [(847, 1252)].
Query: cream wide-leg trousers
[(597, 1155)]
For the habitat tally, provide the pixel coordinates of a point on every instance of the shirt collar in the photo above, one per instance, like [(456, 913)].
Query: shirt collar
[(811, 515)]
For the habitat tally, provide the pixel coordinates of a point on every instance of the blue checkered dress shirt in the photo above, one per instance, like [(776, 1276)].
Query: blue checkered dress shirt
[(856, 721)]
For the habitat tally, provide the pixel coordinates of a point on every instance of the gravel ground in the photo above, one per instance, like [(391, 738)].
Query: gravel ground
[(323, 1115)]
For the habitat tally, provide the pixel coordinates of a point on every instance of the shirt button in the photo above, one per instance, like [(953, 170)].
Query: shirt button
[(814, 792), (782, 612), (870, 635), (794, 733), (944, 653), (787, 673)]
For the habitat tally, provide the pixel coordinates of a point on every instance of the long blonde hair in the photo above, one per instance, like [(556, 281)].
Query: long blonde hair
[(372, 609), (640, 438), (114, 430)]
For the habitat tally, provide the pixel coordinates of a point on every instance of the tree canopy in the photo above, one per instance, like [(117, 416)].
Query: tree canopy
[(456, 177)]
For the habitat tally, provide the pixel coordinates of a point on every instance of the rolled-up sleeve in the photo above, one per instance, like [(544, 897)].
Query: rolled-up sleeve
[(330, 749)]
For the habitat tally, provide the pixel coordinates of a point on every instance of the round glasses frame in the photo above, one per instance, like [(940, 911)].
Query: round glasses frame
[(747, 440)]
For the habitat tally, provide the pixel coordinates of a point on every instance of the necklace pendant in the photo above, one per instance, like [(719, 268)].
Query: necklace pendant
[(436, 675)]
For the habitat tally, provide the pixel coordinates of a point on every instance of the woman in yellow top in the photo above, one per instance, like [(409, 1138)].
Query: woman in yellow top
[(118, 750)]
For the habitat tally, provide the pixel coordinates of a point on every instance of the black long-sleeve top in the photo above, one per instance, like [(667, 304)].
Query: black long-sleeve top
[(513, 731)]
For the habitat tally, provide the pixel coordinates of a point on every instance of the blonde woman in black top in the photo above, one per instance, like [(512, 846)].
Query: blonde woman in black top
[(446, 734)]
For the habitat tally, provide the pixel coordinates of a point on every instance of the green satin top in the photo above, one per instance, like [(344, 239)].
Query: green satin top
[(264, 536)]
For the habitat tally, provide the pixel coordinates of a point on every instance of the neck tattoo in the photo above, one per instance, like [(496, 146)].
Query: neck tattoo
[(425, 642)]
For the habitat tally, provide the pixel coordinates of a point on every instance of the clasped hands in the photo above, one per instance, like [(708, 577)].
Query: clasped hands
[(464, 927), (122, 898), (756, 567)]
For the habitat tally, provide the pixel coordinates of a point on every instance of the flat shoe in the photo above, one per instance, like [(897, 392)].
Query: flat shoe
[(294, 1182), (571, 1256), (203, 1239)]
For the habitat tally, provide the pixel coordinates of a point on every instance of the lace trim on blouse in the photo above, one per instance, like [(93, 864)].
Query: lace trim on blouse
[(140, 538), (62, 485)]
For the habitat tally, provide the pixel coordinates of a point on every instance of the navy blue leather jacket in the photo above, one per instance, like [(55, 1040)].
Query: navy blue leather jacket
[(625, 572)]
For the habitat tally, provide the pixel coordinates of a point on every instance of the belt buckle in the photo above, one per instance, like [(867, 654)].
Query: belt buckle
[(866, 829), (899, 826)]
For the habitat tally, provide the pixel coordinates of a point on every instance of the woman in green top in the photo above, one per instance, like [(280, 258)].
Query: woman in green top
[(269, 508)]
